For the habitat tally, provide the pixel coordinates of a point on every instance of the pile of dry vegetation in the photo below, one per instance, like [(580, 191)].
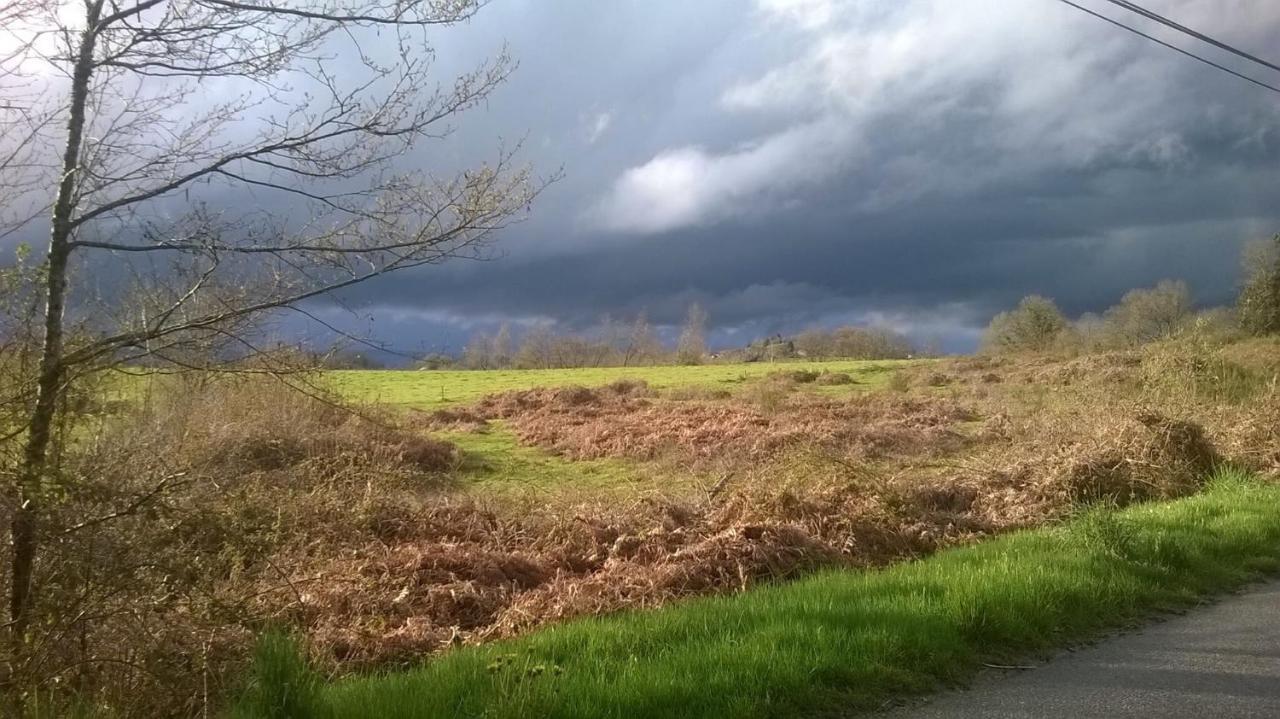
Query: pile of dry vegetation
[(625, 419), (213, 509)]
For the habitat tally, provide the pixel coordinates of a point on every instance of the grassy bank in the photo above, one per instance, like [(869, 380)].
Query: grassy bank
[(840, 639)]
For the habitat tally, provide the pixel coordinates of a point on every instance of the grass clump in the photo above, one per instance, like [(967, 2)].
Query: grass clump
[(852, 638), (282, 685)]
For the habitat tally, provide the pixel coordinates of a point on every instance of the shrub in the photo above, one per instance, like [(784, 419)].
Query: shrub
[(1034, 325), (1259, 301), (770, 395), (1146, 315), (899, 382)]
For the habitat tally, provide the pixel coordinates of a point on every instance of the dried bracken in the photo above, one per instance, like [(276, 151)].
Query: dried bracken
[(582, 424)]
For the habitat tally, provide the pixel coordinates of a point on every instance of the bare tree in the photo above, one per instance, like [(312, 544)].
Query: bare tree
[(643, 345), (692, 345), (156, 135), (1148, 314), (502, 346), (478, 352), (638, 344)]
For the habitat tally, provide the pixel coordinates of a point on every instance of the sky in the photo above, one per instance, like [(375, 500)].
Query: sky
[(913, 164)]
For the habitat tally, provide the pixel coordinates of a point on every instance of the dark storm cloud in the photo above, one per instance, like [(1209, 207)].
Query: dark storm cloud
[(918, 164)]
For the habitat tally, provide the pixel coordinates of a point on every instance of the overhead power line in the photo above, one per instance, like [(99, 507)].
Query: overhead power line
[(1171, 46), (1152, 15)]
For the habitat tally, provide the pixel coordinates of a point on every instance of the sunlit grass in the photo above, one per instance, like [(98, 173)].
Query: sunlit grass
[(429, 389), (495, 461)]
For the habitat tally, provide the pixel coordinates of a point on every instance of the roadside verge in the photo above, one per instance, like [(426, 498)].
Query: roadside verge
[(836, 639)]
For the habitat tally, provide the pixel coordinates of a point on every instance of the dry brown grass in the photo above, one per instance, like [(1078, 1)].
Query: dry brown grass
[(585, 424)]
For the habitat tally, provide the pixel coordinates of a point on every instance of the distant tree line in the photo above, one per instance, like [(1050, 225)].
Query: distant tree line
[(1146, 314), (613, 343), (634, 342), (854, 343)]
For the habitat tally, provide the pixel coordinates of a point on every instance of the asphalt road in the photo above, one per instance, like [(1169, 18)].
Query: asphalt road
[(1217, 662)]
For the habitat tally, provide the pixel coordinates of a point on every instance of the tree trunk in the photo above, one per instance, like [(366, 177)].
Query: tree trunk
[(24, 531)]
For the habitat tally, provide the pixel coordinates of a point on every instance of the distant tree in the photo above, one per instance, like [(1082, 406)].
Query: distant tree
[(436, 360), (501, 348), (348, 359), (643, 346), (1086, 334), (692, 345), (1035, 324), (777, 348), (1215, 325), (1146, 315), (853, 343), (1259, 302), (535, 348), (478, 354), (632, 343)]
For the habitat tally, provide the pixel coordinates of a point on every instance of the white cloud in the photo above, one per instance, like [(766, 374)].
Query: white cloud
[(599, 125), (807, 14), (690, 185), (919, 98)]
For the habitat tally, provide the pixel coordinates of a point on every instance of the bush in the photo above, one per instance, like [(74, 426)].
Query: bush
[(1259, 301), (1034, 325), (1146, 315), (899, 382)]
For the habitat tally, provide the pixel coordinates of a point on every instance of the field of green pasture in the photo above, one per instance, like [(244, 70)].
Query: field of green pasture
[(431, 389), (495, 460)]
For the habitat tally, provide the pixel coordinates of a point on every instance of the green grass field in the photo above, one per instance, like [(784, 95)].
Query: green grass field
[(428, 389), (846, 639), (496, 462)]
